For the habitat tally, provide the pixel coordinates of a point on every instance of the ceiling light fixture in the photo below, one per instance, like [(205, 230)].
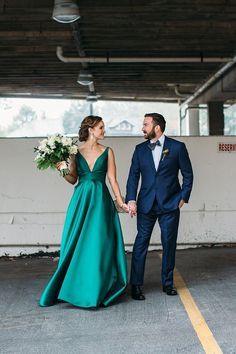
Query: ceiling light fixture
[(65, 11), (85, 78), (92, 97)]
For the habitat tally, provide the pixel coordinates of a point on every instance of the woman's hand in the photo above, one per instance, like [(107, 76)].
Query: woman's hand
[(125, 207), (60, 165), (69, 169)]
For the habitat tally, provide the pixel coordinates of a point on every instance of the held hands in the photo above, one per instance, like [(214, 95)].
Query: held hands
[(125, 207), (132, 207), (121, 206)]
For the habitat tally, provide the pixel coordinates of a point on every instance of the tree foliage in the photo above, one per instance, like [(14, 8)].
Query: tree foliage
[(73, 117), (26, 115)]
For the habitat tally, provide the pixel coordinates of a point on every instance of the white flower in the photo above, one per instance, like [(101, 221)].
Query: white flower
[(57, 137), (73, 150), (38, 156), (43, 142), (66, 141), (51, 141), (47, 150), (42, 147)]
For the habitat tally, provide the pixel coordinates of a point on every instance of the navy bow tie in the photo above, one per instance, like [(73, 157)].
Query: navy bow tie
[(153, 145)]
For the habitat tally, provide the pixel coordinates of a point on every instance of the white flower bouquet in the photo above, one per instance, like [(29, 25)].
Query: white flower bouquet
[(54, 149)]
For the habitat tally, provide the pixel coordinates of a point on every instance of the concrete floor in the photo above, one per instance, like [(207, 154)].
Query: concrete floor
[(158, 325)]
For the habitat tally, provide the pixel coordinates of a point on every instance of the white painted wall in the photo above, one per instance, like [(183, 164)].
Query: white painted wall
[(33, 203)]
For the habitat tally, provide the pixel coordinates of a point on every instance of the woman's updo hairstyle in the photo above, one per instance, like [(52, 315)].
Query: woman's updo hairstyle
[(88, 122)]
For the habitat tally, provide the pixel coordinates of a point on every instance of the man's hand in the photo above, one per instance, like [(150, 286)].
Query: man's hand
[(181, 203), (132, 208)]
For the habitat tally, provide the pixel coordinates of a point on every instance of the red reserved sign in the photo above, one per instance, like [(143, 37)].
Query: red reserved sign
[(226, 147)]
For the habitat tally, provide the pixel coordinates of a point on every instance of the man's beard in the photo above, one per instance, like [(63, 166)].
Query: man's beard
[(150, 135)]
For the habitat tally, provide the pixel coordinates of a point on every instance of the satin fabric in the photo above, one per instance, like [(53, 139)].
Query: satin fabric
[(92, 267)]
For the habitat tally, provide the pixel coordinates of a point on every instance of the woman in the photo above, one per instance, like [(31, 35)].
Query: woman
[(92, 267)]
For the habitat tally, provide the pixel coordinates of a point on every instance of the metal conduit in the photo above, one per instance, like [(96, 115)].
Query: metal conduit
[(109, 59), (211, 81)]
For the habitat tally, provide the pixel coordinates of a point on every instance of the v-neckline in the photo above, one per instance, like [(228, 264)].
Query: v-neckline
[(91, 170)]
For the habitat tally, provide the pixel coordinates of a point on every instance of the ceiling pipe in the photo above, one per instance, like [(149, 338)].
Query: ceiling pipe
[(181, 94), (91, 87), (108, 59), (211, 81)]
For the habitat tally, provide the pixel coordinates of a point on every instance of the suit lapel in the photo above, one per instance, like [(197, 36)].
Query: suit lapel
[(167, 144)]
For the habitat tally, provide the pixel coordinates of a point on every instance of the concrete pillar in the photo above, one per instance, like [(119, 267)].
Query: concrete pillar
[(216, 118), (193, 121)]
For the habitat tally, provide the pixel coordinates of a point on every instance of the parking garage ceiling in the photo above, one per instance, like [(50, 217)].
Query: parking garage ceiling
[(169, 48)]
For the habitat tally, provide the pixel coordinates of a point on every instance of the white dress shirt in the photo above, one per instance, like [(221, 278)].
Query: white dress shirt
[(157, 152)]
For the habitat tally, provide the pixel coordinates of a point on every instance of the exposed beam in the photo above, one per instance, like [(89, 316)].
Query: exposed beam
[(212, 88), (222, 90)]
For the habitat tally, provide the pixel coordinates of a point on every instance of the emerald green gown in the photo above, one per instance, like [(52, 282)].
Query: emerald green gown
[(92, 266)]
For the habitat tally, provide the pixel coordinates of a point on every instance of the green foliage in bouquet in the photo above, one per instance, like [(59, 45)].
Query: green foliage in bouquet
[(52, 150)]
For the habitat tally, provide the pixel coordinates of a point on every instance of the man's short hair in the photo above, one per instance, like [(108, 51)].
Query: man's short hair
[(158, 119)]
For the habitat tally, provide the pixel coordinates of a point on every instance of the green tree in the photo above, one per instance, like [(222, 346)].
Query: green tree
[(203, 122), (26, 115), (2, 132), (5, 103), (230, 120), (73, 117)]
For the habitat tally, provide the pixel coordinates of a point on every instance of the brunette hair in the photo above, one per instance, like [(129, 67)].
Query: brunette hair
[(88, 122), (158, 119)]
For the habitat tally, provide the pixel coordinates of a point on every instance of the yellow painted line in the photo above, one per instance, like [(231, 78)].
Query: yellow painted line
[(199, 324)]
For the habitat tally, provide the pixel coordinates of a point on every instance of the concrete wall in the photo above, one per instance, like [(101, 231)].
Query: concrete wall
[(33, 203)]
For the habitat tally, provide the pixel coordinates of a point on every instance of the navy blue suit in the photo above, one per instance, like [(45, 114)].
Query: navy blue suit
[(158, 198)]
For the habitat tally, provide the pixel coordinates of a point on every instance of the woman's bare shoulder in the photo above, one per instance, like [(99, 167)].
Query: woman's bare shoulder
[(81, 148), (103, 147)]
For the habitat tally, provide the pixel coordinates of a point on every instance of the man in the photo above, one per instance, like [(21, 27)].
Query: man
[(158, 160)]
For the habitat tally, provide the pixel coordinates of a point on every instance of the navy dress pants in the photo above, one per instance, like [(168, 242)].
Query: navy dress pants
[(168, 223)]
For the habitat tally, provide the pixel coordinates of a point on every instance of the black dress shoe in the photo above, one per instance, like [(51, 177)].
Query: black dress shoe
[(169, 290), (136, 293)]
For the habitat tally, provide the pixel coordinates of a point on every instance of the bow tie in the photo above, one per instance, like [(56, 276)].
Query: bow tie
[(153, 145)]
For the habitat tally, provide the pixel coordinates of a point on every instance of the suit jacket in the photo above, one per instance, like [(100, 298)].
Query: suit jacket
[(163, 183)]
